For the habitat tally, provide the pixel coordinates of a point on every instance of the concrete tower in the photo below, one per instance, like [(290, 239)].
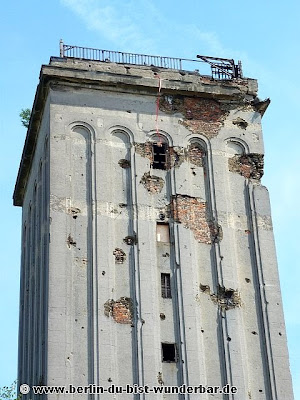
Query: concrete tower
[(147, 248)]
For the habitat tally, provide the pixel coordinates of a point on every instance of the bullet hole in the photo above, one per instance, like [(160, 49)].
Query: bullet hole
[(76, 319), (247, 280), (120, 256), (204, 288), (70, 241), (74, 211), (247, 231), (160, 379), (260, 391), (103, 273), (130, 240), (240, 122), (122, 205), (162, 216), (82, 327), (124, 163), (194, 173), (109, 380), (129, 111), (162, 316), (228, 339), (166, 255), (202, 330), (254, 333), (279, 333)]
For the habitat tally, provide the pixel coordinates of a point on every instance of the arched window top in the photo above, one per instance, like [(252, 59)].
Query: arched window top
[(236, 146)]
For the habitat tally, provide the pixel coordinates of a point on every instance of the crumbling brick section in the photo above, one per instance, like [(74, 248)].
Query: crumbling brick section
[(248, 165), (153, 184), (120, 310), (196, 155), (176, 155), (201, 115), (226, 299), (145, 150), (193, 214)]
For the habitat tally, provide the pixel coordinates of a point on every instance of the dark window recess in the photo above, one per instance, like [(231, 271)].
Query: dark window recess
[(160, 156), (168, 352), (166, 286)]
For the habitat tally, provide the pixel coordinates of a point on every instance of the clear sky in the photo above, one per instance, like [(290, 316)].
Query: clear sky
[(264, 34)]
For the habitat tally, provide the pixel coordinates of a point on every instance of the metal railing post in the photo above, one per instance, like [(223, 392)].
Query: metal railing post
[(61, 48)]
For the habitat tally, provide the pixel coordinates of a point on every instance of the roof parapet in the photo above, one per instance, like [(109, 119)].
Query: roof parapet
[(221, 68)]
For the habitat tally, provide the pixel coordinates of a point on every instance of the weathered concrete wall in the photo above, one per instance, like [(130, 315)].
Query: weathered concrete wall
[(34, 312), (107, 316)]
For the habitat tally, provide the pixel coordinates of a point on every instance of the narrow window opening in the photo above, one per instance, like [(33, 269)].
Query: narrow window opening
[(168, 352), (162, 233), (159, 156), (166, 286)]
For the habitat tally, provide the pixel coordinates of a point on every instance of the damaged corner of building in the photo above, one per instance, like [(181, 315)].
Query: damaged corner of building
[(250, 166)]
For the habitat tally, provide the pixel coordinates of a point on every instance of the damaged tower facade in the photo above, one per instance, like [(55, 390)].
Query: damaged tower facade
[(147, 246)]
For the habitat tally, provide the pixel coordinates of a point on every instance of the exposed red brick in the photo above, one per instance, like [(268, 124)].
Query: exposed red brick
[(193, 214), (248, 165), (153, 184), (201, 115), (196, 154), (120, 310), (175, 155), (145, 150)]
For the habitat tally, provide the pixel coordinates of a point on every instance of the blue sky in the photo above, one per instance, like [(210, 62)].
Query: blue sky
[(262, 33)]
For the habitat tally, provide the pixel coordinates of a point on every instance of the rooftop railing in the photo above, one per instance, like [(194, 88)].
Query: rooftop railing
[(221, 68)]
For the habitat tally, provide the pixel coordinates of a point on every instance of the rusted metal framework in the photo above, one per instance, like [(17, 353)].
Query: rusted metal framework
[(221, 68)]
